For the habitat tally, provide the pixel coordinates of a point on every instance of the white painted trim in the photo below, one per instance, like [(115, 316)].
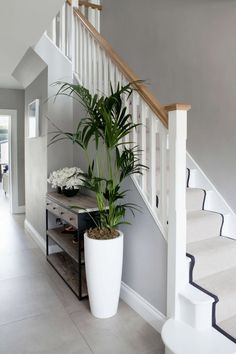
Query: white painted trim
[(19, 209), (153, 316), (35, 235), (163, 232), (208, 183), (58, 49)]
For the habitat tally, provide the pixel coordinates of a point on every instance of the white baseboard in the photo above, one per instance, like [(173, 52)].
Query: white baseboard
[(18, 210), (35, 235), (154, 317)]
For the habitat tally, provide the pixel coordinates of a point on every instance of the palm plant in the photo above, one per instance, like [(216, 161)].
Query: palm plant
[(106, 124)]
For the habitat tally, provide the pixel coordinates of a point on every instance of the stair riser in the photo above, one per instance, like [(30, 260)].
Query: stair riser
[(226, 307), (194, 200), (205, 227)]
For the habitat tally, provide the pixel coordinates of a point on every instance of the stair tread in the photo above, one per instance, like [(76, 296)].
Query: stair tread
[(229, 326), (210, 255), (221, 284), (183, 339)]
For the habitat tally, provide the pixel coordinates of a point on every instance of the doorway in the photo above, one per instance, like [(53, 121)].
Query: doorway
[(12, 168), (4, 162)]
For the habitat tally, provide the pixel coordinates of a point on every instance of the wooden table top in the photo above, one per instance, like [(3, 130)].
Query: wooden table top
[(82, 202)]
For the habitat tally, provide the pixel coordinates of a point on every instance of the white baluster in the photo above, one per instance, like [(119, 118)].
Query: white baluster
[(82, 9), (111, 71), (81, 46), (95, 67), (97, 20), (105, 73), (100, 72), (54, 30), (69, 34), (91, 16), (143, 144), (135, 116), (117, 77), (89, 38), (63, 29), (163, 174), (153, 160), (85, 58)]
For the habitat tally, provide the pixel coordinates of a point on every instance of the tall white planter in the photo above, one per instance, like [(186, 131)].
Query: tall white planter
[(103, 264)]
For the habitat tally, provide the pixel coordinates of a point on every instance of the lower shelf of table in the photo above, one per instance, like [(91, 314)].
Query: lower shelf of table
[(67, 268)]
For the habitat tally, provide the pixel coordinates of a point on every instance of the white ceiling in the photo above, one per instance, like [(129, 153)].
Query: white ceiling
[(22, 23)]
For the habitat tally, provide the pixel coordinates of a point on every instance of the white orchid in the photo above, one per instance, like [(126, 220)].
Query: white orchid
[(67, 177)]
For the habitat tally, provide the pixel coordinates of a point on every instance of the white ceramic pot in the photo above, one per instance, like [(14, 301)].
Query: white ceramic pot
[(103, 264)]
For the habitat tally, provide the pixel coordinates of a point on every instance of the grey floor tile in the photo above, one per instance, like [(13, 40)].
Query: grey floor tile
[(52, 333), (26, 296), (40, 315), (125, 333), (20, 262)]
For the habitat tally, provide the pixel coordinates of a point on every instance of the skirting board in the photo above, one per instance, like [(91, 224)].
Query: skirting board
[(19, 210), (35, 235), (149, 313)]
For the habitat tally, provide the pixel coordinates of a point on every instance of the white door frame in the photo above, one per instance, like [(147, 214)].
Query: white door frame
[(13, 160)]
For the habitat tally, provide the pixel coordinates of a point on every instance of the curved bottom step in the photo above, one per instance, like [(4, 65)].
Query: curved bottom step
[(180, 338)]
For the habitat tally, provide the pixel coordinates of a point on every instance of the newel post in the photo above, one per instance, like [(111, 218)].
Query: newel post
[(177, 269)]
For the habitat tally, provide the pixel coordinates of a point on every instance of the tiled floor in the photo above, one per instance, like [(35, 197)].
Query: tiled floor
[(40, 315)]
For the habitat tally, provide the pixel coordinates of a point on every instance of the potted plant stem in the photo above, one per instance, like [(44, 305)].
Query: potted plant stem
[(105, 126)]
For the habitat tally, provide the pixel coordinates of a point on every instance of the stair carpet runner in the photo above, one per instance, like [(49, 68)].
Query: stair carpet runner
[(213, 261)]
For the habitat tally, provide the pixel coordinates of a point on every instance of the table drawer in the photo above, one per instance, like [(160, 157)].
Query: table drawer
[(53, 207), (68, 216), (62, 213)]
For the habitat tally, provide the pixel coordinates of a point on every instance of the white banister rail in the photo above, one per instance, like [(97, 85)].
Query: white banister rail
[(161, 137)]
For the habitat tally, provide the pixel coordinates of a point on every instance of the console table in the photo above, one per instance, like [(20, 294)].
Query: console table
[(65, 237)]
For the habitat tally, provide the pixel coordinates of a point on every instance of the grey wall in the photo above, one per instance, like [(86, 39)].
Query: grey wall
[(14, 99), (36, 157), (186, 50), (145, 253)]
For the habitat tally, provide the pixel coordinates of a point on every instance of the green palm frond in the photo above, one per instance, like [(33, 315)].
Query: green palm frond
[(106, 123)]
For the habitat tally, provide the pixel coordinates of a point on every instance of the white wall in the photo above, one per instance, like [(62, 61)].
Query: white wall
[(185, 49), (40, 159), (36, 157)]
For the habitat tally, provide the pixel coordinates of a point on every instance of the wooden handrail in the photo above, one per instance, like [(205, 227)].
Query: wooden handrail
[(146, 94), (90, 4), (177, 107), (86, 4)]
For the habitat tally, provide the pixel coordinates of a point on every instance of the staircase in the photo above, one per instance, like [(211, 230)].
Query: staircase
[(202, 287), (213, 261)]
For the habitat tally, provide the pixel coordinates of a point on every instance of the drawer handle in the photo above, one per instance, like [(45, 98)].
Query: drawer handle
[(71, 219), (54, 208), (62, 212), (48, 203)]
